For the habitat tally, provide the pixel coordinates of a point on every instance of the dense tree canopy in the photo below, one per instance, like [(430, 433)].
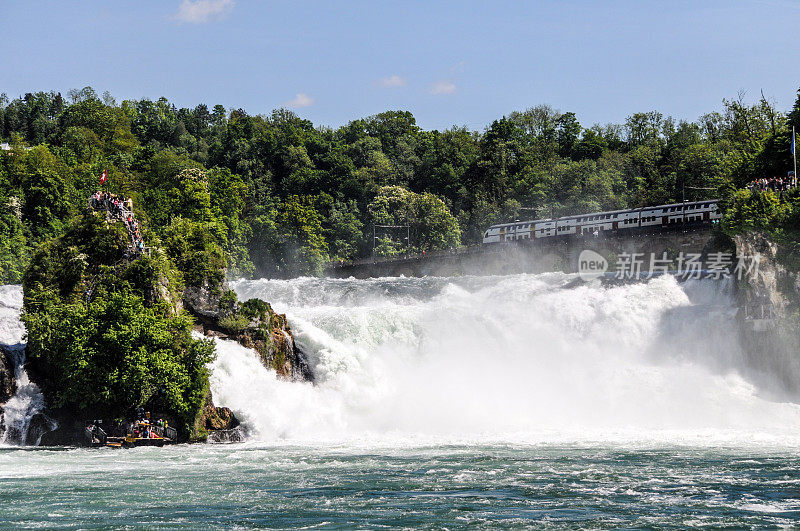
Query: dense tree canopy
[(277, 196)]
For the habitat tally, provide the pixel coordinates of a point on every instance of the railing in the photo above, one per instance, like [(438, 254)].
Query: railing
[(164, 431), (170, 433), (756, 312)]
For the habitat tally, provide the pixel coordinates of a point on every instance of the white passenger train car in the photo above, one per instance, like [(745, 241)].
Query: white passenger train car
[(601, 222)]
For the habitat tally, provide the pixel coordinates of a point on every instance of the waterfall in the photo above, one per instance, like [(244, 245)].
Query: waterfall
[(21, 418), (22, 408), (519, 357)]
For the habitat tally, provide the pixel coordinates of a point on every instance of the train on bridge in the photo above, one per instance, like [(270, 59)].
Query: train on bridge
[(616, 221)]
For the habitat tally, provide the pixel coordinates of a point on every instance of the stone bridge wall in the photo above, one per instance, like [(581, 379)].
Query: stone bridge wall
[(530, 256)]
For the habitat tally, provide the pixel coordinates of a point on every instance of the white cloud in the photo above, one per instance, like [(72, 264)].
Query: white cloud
[(393, 81), (301, 100), (442, 87), (199, 11)]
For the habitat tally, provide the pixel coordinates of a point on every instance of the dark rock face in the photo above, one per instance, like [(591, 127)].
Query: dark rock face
[(218, 418), (227, 436), (62, 436), (39, 426), (8, 383)]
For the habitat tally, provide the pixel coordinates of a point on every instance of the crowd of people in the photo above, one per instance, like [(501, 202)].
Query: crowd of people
[(144, 427), (120, 208), (775, 184)]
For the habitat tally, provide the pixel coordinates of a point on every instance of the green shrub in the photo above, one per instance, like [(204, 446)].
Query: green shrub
[(752, 210)]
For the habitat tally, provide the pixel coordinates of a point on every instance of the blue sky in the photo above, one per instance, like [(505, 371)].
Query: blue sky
[(448, 62)]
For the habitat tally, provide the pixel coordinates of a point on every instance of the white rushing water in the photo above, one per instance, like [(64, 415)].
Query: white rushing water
[(516, 358), (18, 411)]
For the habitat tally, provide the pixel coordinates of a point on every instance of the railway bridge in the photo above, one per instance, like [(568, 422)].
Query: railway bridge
[(538, 255)]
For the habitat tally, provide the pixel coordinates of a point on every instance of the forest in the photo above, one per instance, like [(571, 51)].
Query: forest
[(276, 196)]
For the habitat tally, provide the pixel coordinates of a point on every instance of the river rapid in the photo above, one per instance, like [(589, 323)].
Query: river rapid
[(496, 401)]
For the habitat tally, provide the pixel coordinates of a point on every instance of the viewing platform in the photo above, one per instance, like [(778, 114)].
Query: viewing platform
[(119, 208)]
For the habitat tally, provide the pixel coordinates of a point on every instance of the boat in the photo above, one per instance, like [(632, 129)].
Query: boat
[(139, 433)]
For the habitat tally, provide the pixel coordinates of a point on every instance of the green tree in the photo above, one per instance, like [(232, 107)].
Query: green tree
[(432, 226)]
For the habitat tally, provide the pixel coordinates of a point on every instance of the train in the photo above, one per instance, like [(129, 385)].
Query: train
[(616, 221)]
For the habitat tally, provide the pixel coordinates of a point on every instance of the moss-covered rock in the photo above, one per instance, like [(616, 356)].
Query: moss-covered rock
[(217, 418), (254, 324), (106, 330)]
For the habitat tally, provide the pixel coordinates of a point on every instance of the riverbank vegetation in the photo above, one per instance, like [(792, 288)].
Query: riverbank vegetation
[(274, 195)]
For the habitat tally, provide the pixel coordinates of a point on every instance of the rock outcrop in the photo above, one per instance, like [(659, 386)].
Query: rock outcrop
[(769, 300), (772, 284), (253, 324), (217, 418)]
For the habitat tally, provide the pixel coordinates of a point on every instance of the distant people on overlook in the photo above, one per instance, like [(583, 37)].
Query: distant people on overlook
[(120, 208), (779, 185)]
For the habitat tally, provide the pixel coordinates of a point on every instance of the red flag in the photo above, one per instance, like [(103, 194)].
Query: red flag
[(104, 177)]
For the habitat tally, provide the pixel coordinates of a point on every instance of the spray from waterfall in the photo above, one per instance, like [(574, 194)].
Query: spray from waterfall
[(523, 357)]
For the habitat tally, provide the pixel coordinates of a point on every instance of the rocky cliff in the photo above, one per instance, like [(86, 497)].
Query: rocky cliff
[(773, 283), (769, 300)]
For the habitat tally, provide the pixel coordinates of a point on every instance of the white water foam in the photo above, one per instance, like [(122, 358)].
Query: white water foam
[(28, 400), (516, 358), (12, 331)]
